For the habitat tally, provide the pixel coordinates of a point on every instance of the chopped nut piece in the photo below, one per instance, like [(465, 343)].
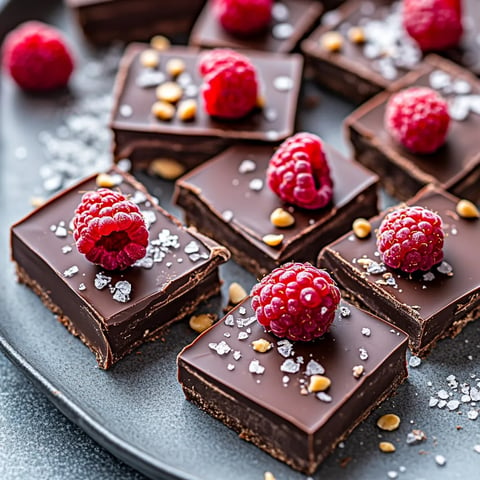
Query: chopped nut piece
[(272, 239), (467, 209), (356, 35), (167, 168), (175, 66), (159, 42), (169, 92), (357, 371), (386, 447), (37, 201), (332, 41), (201, 322), (388, 422), (163, 110), (261, 345), (236, 293), (261, 101), (149, 58), (105, 180), (268, 476), (281, 218), (361, 228), (187, 109), (318, 383)]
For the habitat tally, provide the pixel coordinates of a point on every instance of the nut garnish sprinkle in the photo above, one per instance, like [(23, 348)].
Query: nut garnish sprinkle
[(388, 422), (356, 35), (201, 322), (261, 345), (331, 41), (163, 110), (236, 293), (273, 240), (105, 180), (187, 110), (467, 209), (361, 228), (281, 218), (149, 58), (160, 42), (319, 383), (169, 92), (175, 66), (167, 168), (386, 447)]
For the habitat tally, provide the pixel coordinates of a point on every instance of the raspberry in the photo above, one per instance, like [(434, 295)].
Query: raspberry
[(243, 17), (418, 118), (433, 24), (299, 173), (411, 239), (296, 301), (109, 229), (230, 86), (37, 57)]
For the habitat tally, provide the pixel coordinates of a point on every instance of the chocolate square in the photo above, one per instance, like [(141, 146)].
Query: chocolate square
[(291, 21), (264, 396), (141, 137), (235, 207), (114, 312), (427, 305), (455, 166)]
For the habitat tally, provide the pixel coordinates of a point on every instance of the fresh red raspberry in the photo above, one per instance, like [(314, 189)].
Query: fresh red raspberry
[(109, 229), (296, 301), (230, 86), (37, 57), (411, 239), (299, 173), (243, 17), (433, 24), (418, 119)]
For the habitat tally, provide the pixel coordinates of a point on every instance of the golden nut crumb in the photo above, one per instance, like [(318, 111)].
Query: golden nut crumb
[(261, 345), (386, 447), (159, 42), (273, 240), (356, 35), (163, 110), (236, 293), (105, 180), (467, 209), (268, 476), (388, 422), (169, 92), (167, 168), (332, 41), (175, 66), (201, 322), (261, 101), (187, 110), (361, 228), (318, 383), (149, 58), (357, 371), (281, 218), (37, 201)]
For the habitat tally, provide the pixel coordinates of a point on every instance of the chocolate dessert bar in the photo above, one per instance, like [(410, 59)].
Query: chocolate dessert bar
[(228, 199), (291, 21), (114, 312), (104, 21), (141, 137), (265, 397), (455, 166), (365, 64), (427, 305)]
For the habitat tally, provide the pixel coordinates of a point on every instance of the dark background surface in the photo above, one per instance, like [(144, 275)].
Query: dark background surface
[(137, 409)]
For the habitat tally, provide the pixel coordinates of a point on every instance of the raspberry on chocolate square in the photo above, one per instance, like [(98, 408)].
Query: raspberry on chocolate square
[(455, 165), (114, 311), (228, 199), (427, 304)]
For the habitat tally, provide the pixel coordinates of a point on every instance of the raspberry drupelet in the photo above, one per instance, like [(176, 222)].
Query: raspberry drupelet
[(243, 17), (37, 57), (230, 85), (411, 239), (296, 301), (418, 118), (299, 172), (109, 229)]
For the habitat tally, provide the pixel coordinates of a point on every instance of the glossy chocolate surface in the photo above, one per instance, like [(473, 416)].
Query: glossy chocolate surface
[(178, 261), (427, 305), (272, 384), (204, 135), (291, 20), (218, 190), (455, 166)]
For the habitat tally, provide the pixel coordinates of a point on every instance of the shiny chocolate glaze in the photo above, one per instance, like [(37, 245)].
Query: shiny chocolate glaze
[(141, 137), (428, 305), (164, 291), (301, 16), (217, 187), (273, 408), (455, 166)]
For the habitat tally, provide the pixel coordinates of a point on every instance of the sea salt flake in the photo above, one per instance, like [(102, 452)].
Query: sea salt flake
[(247, 166), (82, 287), (445, 268), (285, 348), (476, 448), (324, 397), (363, 354), (440, 460), (61, 232), (121, 291), (443, 394), (392, 474), (453, 404), (227, 215), (256, 368), (428, 277), (475, 394), (366, 332), (414, 361), (149, 217), (101, 280), (150, 78), (441, 403), (345, 312), (126, 110), (191, 247), (285, 379), (242, 335), (280, 12), (282, 31), (472, 414), (415, 436), (230, 367), (289, 366), (66, 249), (283, 83), (433, 402), (465, 399), (70, 272), (145, 262), (229, 321), (314, 368), (461, 87), (237, 355), (222, 348), (459, 108), (439, 79), (195, 257), (256, 184), (242, 310)]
